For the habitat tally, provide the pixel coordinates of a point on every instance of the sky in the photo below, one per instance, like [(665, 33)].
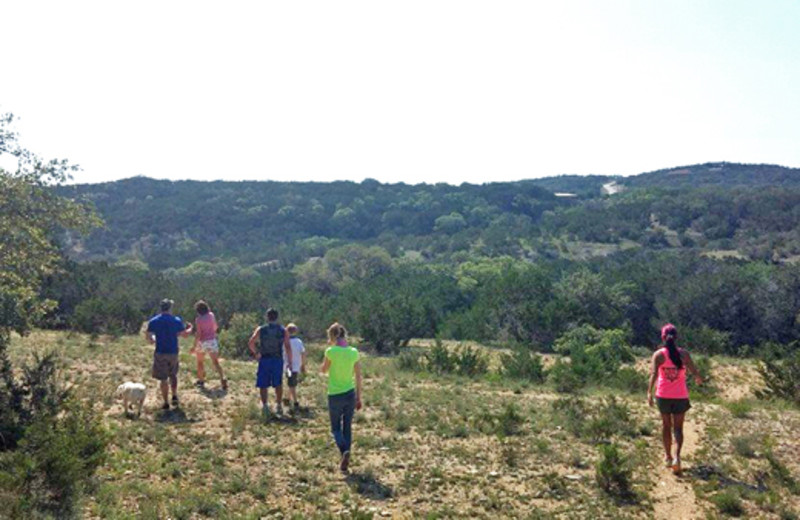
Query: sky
[(413, 91)]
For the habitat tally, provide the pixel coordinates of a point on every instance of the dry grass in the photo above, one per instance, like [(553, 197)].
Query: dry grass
[(424, 446)]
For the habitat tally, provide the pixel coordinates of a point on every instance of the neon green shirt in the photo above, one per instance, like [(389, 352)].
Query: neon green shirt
[(341, 374)]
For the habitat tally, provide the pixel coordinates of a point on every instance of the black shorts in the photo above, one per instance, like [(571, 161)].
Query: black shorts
[(292, 380), (672, 406)]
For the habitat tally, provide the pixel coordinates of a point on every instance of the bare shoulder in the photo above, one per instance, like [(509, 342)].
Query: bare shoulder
[(685, 354)]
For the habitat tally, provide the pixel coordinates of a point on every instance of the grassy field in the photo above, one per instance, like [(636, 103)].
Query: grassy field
[(425, 445)]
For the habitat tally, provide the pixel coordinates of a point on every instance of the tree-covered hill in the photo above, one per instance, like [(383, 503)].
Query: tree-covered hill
[(172, 223), (722, 174), (750, 209)]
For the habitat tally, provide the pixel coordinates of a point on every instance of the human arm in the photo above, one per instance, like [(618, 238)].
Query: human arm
[(691, 368), (303, 362), (251, 343), (357, 368), (656, 362), (326, 364), (148, 335), (287, 347), (186, 329)]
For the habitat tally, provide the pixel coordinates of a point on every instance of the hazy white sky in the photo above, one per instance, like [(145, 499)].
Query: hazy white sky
[(412, 91)]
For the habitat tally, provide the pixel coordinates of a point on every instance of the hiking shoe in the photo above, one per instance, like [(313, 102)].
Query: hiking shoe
[(668, 462), (265, 411), (279, 410), (224, 384), (175, 401), (165, 406), (676, 465), (345, 462)]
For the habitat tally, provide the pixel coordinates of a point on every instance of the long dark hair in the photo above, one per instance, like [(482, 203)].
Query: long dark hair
[(669, 334)]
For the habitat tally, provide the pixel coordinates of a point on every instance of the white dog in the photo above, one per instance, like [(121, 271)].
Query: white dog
[(132, 394)]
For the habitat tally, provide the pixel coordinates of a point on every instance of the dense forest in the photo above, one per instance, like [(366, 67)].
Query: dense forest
[(514, 263)]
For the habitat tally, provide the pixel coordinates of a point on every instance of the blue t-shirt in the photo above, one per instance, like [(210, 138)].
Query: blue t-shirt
[(166, 328)]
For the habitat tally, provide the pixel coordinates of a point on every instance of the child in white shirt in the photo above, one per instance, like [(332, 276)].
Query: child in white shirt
[(298, 363)]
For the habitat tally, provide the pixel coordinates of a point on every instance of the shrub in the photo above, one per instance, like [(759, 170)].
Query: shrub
[(55, 461), (523, 364), (595, 355), (704, 366), (630, 380), (439, 359), (706, 340), (571, 413), (744, 445), (470, 361), (613, 473), (409, 361), (729, 503), (233, 340), (564, 378), (740, 409), (612, 418), (781, 376)]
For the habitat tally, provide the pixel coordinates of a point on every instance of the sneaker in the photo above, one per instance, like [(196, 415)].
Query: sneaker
[(175, 401), (676, 465), (165, 406), (265, 411), (224, 384), (279, 410), (345, 463), (668, 462)]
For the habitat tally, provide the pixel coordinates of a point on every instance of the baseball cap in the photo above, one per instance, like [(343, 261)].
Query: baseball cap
[(668, 329)]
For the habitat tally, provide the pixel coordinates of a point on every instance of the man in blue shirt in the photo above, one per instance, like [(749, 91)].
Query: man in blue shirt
[(163, 330)]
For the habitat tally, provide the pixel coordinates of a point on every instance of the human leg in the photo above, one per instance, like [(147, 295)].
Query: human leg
[(201, 369), (666, 434), (677, 426), (336, 411)]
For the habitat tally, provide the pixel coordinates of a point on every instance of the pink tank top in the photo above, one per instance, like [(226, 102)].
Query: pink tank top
[(206, 327), (671, 382)]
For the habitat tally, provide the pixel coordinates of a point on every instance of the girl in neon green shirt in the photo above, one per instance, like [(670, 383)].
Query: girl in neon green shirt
[(344, 389)]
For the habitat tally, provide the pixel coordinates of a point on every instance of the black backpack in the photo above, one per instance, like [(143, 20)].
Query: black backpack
[(271, 336)]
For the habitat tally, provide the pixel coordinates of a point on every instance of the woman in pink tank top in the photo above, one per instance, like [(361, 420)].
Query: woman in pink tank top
[(668, 375), (205, 342)]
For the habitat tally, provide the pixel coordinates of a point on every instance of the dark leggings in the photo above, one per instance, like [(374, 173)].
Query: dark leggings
[(341, 408)]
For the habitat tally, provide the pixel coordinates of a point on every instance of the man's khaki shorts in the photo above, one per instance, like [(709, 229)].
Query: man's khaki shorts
[(165, 366)]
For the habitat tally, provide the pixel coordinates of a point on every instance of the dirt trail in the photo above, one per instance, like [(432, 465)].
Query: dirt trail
[(673, 496)]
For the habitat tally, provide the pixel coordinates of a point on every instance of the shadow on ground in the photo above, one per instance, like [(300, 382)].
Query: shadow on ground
[(368, 486), (216, 393), (173, 416)]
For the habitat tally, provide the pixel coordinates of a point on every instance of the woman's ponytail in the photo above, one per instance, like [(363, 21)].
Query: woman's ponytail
[(672, 348)]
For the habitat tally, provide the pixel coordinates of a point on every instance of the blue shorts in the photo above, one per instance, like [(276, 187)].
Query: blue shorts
[(270, 372)]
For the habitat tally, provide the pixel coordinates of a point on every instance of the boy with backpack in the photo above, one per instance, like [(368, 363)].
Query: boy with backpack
[(273, 342)]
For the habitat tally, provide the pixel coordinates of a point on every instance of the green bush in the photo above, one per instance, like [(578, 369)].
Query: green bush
[(564, 378), (612, 418), (233, 340), (470, 361), (570, 413), (781, 376), (706, 340), (54, 462), (440, 360), (409, 361), (729, 503), (523, 364), (613, 473), (630, 380), (707, 389)]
